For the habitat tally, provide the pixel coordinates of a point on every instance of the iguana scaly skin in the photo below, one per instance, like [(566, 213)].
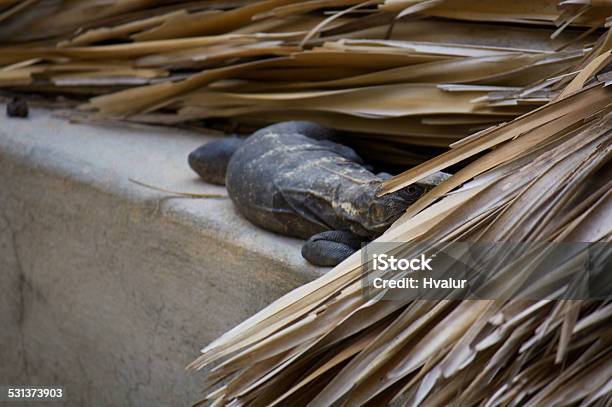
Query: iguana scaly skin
[(291, 178)]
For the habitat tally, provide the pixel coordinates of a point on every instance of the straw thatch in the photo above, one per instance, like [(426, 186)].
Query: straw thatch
[(406, 78), (547, 180)]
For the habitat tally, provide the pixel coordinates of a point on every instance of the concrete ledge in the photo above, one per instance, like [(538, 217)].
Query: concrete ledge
[(109, 289)]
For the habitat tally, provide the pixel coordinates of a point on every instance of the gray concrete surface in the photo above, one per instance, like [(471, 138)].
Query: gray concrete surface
[(110, 289)]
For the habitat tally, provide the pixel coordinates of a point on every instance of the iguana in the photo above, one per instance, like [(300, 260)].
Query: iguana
[(294, 179)]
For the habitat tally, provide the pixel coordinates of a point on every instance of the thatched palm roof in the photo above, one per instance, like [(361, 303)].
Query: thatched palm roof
[(524, 80)]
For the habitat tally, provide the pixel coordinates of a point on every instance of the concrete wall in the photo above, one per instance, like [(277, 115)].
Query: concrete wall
[(109, 289)]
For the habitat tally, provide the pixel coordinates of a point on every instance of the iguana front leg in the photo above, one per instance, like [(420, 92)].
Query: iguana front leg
[(331, 247)]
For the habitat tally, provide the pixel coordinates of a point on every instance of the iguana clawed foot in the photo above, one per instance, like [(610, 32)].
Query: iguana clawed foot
[(331, 247)]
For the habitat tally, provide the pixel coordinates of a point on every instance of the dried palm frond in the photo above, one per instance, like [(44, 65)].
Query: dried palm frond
[(395, 74), (401, 72), (547, 179)]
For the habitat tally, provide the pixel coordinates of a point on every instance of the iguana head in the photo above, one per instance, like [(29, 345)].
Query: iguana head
[(371, 214), (386, 209)]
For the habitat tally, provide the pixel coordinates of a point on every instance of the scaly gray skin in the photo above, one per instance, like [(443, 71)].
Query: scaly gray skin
[(291, 178)]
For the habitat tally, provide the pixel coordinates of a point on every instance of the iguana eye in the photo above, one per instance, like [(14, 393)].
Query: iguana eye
[(413, 192)]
